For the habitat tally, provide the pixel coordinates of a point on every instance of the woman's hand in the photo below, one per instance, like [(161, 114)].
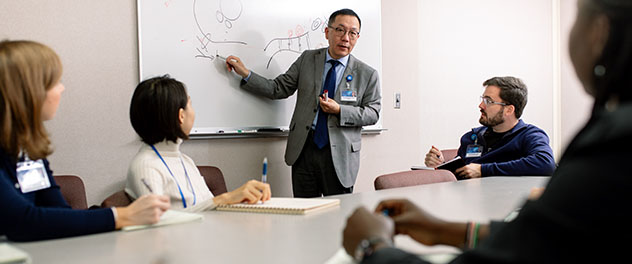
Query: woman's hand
[(145, 210), (422, 226), (251, 192)]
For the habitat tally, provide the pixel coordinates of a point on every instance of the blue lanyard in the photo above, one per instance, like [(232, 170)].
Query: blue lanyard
[(184, 201)]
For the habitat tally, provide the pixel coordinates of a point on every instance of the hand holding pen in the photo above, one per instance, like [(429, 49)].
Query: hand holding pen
[(234, 63), (434, 157)]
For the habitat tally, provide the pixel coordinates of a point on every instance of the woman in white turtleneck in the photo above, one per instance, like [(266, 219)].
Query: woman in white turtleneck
[(162, 115)]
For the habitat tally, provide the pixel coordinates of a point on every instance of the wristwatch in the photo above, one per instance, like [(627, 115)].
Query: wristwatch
[(367, 247)]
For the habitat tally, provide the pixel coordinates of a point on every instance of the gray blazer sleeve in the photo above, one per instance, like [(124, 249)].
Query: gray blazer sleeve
[(283, 86)]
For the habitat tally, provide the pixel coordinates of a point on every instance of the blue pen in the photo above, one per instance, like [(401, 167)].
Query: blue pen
[(264, 175)]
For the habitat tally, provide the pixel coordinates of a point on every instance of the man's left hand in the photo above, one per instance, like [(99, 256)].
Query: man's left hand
[(469, 171), (329, 105)]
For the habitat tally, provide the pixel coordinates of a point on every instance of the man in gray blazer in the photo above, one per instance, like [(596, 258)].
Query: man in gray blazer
[(324, 143)]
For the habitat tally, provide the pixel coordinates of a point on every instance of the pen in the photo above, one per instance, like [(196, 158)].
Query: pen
[(438, 156), (147, 185), (264, 175)]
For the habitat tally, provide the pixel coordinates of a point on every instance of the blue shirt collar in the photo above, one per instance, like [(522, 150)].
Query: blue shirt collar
[(342, 60)]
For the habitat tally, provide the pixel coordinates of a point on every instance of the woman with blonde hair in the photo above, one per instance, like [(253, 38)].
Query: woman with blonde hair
[(31, 204)]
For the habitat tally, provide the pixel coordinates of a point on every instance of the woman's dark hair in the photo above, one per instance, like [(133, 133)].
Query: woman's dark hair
[(616, 57), (154, 110)]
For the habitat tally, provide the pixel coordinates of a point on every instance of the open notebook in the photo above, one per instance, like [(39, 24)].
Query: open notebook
[(168, 218), (279, 205)]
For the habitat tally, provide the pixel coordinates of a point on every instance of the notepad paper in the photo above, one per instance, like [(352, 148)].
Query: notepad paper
[(279, 205), (170, 217), (415, 167), (11, 254)]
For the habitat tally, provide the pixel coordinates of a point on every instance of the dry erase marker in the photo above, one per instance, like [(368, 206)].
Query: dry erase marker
[(146, 185), (222, 57), (325, 95), (264, 174)]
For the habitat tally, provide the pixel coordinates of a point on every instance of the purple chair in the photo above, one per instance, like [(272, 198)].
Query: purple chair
[(73, 190), (411, 178)]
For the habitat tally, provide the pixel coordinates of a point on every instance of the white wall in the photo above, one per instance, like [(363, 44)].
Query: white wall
[(462, 44), (575, 102), (435, 53)]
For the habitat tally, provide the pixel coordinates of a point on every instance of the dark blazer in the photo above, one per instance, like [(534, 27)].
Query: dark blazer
[(305, 75), (43, 214)]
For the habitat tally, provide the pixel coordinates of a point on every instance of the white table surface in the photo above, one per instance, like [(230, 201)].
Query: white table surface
[(235, 237)]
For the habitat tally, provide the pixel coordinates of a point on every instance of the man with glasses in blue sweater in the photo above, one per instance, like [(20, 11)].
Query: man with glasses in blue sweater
[(504, 145)]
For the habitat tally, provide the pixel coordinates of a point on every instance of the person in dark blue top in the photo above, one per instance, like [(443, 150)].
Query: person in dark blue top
[(31, 205), (504, 145), (583, 214)]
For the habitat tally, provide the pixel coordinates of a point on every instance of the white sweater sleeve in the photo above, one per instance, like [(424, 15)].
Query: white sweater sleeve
[(206, 205), (143, 170)]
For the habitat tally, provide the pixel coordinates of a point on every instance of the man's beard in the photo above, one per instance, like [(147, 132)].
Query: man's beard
[(492, 121)]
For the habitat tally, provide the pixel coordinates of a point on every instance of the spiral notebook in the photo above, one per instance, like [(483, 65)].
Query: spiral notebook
[(278, 205)]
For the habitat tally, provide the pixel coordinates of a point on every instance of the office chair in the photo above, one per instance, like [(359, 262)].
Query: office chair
[(449, 154), (214, 179), (117, 199), (411, 178), (73, 190)]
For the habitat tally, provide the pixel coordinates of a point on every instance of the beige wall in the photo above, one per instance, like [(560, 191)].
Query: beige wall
[(575, 102), (97, 41)]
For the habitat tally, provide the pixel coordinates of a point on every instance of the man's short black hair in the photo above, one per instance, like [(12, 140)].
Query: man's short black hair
[(155, 107), (512, 90), (344, 11)]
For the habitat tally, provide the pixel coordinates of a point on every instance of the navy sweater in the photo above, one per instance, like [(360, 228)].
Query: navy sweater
[(523, 150), (43, 214)]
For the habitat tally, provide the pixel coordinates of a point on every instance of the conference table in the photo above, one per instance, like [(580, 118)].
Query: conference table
[(237, 237)]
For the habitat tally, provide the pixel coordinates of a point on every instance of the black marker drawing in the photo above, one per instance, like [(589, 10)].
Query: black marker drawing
[(222, 18), (206, 37), (300, 37)]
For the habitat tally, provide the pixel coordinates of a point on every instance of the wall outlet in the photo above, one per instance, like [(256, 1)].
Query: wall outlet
[(398, 100)]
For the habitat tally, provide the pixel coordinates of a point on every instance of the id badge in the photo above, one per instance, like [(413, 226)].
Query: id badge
[(348, 96), (32, 176), (474, 151)]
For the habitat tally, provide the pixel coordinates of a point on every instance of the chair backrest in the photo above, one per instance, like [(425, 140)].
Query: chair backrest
[(449, 154), (117, 199), (73, 190), (214, 179), (412, 177)]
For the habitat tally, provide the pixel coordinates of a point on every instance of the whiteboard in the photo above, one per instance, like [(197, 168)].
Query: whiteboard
[(184, 38)]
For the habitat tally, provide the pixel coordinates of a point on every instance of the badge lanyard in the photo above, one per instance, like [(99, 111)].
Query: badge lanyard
[(31, 175), (474, 150), (348, 94), (184, 201)]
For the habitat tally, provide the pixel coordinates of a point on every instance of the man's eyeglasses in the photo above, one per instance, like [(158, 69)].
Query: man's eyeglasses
[(339, 32), (487, 101)]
